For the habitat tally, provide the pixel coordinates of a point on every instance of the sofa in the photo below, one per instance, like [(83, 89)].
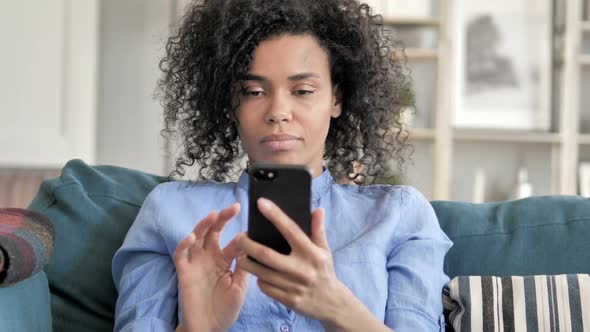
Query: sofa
[(92, 207)]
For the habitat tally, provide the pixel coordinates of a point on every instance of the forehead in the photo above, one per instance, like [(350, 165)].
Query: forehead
[(290, 54)]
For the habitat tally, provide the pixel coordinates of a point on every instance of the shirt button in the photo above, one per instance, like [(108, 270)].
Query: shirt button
[(285, 328)]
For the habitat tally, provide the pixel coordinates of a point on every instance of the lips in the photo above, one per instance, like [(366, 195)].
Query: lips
[(280, 142)]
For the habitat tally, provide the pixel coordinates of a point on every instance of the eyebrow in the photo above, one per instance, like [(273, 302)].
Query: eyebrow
[(296, 77)]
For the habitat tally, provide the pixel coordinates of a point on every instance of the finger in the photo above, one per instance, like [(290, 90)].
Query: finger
[(287, 227), (180, 255), (240, 277), (203, 226), (232, 250), (318, 230), (264, 254), (213, 234), (271, 260), (263, 272), (200, 232), (278, 294), (246, 263)]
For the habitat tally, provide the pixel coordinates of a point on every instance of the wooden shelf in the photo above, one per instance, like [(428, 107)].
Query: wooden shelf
[(421, 134), (513, 136), (418, 54), (558, 152), (410, 21)]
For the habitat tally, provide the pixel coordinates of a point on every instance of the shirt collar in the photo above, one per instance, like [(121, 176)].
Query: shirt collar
[(319, 185)]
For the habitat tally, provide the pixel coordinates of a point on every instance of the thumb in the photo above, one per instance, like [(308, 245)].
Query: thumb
[(318, 231)]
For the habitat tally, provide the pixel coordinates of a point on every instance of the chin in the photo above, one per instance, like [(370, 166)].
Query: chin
[(282, 159)]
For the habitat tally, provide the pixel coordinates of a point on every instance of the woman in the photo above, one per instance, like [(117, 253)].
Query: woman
[(288, 82)]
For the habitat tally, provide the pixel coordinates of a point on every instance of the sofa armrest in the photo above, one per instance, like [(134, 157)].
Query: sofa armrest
[(25, 306), (26, 244)]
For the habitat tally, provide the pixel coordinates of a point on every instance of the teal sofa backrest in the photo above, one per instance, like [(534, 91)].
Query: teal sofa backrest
[(93, 207), (536, 235)]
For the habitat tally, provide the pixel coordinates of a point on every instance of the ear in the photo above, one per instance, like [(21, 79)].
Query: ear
[(336, 108)]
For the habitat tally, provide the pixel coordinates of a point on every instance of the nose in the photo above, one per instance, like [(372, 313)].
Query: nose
[(279, 110)]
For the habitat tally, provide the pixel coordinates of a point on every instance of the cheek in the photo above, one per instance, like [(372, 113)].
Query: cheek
[(245, 131), (318, 127), (244, 134), (245, 122)]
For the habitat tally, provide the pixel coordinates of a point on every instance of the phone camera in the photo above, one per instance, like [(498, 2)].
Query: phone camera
[(265, 175)]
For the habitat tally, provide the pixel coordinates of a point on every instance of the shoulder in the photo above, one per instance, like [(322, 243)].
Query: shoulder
[(394, 194), (192, 200), (172, 198), (175, 189), (403, 206), (173, 207), (390, 201)]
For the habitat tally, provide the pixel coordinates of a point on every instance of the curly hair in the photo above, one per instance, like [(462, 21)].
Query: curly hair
[(212, 50)]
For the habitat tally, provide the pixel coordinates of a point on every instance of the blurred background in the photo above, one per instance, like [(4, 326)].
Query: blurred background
[(502, 92)]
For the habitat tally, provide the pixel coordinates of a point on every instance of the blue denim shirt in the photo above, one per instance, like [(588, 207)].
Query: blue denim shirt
[(386, 242)]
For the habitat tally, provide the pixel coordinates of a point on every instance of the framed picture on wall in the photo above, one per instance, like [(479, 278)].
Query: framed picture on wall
[(502, 64)]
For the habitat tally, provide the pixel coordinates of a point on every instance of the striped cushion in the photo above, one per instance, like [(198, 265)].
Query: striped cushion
[(530, 303)]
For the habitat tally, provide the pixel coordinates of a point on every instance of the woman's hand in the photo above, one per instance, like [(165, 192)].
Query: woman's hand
[(304, 280), (210, 293)]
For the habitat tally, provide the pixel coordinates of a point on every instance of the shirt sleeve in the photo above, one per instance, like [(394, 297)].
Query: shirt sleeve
[(415, 269), (144, 275)]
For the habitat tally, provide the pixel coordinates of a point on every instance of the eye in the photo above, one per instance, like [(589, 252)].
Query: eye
[(252, 93), (303, 92)]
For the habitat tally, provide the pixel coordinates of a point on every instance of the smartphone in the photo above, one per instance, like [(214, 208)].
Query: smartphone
[(289, 187)]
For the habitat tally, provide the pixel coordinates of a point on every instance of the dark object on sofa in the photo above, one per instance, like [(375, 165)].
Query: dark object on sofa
[(2, 265), (26, 244), (91, 209)]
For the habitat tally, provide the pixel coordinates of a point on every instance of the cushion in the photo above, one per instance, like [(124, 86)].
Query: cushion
[(530, 303), (91, 209), (532, 236), (26, 243), (25, 307)]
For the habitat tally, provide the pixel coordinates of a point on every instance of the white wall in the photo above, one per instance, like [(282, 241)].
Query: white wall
[(132, 39), (48, 74)]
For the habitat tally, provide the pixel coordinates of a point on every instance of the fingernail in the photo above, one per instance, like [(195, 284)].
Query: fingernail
[(264, 203)]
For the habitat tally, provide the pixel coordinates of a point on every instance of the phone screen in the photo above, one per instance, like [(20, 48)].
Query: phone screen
[(289, 187)]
